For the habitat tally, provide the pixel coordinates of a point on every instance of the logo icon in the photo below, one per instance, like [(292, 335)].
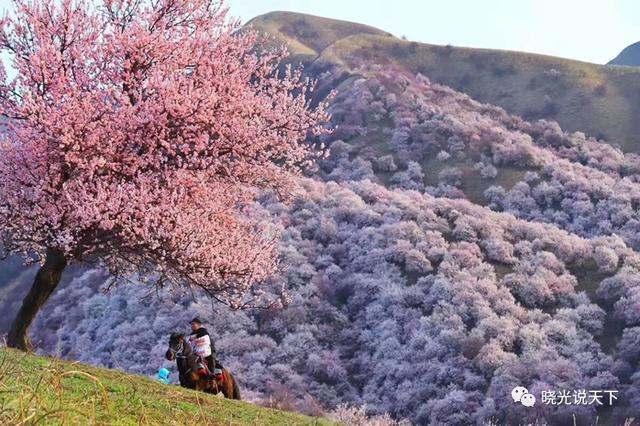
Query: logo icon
[(528, 400), (521, 394)]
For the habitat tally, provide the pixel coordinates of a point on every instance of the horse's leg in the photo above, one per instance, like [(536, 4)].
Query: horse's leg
[(204, 384), (197, 382), (182, 377), (210, 386)]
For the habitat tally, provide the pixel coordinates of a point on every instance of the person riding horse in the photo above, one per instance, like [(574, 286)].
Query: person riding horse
[(191, 374), (203, 345)]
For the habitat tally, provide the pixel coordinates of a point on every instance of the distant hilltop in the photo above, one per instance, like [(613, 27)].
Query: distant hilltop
[(629, 56)]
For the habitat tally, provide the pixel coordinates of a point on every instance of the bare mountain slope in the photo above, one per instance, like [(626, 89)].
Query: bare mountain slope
[(307, 34)]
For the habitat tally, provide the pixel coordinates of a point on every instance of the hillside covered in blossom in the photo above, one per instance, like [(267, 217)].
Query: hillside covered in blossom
[(443, 253)]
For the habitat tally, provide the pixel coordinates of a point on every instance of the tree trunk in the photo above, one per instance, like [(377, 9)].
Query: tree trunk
[(45, 282)]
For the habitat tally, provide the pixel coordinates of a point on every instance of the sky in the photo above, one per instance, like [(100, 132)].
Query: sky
[(588, 30)]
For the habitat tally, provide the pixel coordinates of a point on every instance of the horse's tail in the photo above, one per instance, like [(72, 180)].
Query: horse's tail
[(236, 388)]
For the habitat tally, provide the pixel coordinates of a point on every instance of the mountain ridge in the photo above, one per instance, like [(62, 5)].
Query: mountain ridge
[(600, 100), (281, 24)]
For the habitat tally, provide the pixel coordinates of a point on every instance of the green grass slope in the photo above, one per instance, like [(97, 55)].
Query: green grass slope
[(600, 100), (41, 390)]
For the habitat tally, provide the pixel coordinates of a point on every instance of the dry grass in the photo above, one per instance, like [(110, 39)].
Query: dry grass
[(307, 34)]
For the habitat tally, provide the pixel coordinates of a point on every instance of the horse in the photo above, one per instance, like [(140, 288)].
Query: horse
[(189, 375)]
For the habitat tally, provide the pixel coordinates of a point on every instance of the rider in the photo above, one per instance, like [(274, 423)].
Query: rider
[(202, 345)]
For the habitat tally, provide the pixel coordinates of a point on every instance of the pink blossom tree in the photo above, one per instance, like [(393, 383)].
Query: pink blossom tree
[(138, 134)]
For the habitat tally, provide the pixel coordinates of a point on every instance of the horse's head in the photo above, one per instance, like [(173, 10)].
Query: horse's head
[(176, 346)]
